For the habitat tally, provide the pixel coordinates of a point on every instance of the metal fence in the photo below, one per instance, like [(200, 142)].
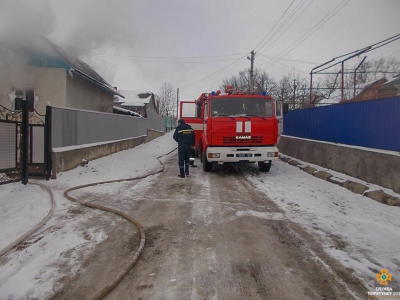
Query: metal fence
[(155, 121), (72, 127), (371, 123), (9, 146), (170, 123), (22, 145)]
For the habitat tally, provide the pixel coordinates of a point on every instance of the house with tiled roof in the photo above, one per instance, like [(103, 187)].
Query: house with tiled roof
[(380, 88), (53, 75)]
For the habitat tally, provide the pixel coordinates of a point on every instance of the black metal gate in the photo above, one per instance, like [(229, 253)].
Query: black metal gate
[(24, 145)]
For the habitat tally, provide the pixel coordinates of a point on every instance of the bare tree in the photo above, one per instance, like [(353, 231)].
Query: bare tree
[(262, 82), (301, 92), (330, 87), (240, 82), (294, 91), (284, 90), (326, 89), (166, 99)]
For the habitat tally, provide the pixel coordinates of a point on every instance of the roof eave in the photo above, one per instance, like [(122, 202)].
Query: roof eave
[(96, 82)]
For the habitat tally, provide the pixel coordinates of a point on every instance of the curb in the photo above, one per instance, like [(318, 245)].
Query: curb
[(358, 188)]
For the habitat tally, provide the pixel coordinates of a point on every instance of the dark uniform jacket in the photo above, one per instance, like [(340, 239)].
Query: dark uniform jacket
[(185, 137)]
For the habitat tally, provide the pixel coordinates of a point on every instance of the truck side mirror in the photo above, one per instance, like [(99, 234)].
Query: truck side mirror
[(285, 108)]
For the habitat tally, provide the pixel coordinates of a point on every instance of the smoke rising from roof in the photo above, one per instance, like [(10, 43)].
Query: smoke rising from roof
[(90, 25), (79, 27), (136, 34), (85, 25), (21, 21)]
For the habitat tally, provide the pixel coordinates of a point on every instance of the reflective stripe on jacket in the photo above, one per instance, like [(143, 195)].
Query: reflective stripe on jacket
[(185, 137)]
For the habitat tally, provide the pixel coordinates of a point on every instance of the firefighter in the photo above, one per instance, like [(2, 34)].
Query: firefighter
[(185, 137)]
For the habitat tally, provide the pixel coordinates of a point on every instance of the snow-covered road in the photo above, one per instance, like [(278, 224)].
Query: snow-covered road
[(360, 233)]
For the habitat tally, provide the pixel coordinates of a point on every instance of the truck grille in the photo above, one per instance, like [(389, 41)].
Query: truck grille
[(232, 140)]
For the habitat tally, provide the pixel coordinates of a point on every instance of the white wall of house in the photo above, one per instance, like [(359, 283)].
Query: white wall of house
[(84, 95), (54, 85), (49, 84)]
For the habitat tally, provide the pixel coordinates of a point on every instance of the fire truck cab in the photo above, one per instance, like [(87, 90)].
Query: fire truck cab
[(234, 127)]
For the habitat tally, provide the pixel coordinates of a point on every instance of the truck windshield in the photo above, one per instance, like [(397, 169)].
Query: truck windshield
[(232, 107)]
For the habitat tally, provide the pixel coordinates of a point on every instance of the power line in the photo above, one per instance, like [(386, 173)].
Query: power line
[(313, 29), (384, 52), (365, 50), (290, 67), (281, 26), (294, 11), (289, 59), (213, 85), (170, 57), (159, 60), (213, 74), (200, 86), (275, 24), (398, 50)]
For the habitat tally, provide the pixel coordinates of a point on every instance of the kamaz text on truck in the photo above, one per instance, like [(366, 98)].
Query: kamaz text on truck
[(235, 127)]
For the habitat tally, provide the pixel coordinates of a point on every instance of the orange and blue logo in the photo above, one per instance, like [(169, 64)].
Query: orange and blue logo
[(384, 277)]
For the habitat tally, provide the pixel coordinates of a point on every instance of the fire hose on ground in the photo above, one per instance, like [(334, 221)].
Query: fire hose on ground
[(107, 289)]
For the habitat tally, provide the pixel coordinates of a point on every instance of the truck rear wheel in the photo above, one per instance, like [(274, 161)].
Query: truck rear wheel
[(207, 166), (264, 167)]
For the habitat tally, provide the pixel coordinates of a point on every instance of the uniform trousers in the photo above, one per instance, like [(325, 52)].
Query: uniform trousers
[(183, 162)]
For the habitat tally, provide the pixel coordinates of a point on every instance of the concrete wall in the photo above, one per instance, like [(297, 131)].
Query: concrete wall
[(64, 160), (153, 134), (377, 167)]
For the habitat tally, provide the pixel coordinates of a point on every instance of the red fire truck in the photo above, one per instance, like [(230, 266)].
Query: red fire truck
[(234, 127)]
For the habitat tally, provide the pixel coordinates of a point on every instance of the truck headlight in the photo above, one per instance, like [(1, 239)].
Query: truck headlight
[(213, 155), (272, 154)]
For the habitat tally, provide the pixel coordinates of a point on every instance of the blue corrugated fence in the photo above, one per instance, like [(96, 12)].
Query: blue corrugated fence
[(372, 123)]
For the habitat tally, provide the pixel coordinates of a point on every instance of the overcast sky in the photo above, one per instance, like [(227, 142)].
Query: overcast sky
[(193, 45)]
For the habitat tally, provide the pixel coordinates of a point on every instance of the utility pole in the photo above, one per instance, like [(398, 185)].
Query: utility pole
[(177, 103), (294, 88), (251, 71), (294, 93)]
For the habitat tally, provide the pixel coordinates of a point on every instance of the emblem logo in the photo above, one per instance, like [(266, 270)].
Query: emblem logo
[(384, 277), (243, 137)]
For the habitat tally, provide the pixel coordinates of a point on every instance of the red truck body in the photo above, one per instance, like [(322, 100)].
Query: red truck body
[(234, 127)]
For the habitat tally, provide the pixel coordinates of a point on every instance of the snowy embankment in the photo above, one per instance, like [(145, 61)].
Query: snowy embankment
[(361, 233)]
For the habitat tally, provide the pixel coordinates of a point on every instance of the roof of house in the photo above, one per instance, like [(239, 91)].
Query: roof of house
[(82, 69), (394, 81), (134, 97), (127, 112), (45, 53), (372, 84)]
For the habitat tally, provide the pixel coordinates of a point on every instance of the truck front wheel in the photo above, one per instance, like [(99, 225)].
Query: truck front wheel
[(207, 166), (264, 167)]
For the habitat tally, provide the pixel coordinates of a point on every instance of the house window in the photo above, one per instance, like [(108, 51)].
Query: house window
[(24, 94)]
